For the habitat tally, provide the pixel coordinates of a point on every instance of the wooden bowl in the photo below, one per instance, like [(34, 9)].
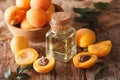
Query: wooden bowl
[(33, 35)]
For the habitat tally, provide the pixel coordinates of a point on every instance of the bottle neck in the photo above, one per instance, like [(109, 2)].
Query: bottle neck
[(60, 27)]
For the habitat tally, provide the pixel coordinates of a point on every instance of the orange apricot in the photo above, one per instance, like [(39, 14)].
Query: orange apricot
[(25, 24), (85, 37), (26, 56), (84, 60), (43, 4), (24, 4), (18, 43), (36, 17), (100, 49), (44, 64), (50, 11), (14, 15)]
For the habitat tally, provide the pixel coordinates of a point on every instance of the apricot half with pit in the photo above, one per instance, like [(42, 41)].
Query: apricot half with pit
[(26, 56), (100, 49), (84, 60), (44, 64), (85, 37)]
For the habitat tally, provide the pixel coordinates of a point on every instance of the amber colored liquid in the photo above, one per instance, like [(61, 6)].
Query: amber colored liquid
[(61, 45)]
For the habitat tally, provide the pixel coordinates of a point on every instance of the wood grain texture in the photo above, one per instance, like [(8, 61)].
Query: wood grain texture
[(67, 71)]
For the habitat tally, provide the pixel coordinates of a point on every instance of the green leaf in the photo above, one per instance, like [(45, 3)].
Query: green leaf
[(99, 70), (23, 76), (7, 74), (83, 10), (22, 69), (101, 5)]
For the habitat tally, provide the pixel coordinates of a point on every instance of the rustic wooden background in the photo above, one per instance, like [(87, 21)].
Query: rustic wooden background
[(67, 71)]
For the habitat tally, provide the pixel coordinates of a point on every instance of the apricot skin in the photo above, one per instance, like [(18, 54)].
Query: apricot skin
[(42, 4), (49, 12), (14, 15), (100, 49), (36, 17), (24, 4), (18, 43), (44, 69), (86, 64), (85, 37), (25, 24)]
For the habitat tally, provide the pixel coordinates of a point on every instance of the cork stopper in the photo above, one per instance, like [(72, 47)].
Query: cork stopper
[(60, 21)]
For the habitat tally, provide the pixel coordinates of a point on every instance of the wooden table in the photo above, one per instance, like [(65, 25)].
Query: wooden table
[(67, 71)]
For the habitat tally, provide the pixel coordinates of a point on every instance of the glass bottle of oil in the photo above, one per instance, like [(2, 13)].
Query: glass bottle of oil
[(60, 39)]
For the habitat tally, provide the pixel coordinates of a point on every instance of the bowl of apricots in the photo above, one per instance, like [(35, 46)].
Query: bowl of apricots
[(30, 18)]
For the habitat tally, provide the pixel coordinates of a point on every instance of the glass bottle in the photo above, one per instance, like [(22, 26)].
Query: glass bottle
[(60, 39)]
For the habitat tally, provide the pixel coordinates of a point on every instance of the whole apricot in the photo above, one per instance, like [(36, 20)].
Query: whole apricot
[(42, 4), (14, 15), (24, 4), (26, 56), (84, 60), (50, 11), (44, 64), (100, 49), (85, 37), (36, 17), (26, 25), (18, 43)]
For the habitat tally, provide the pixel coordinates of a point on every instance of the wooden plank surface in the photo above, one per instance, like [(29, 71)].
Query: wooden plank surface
[(67, 71)]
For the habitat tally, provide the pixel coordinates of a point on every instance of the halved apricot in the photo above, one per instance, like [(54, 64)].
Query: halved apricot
[(26, 56), (101, 48), (44, 64), (84, 60)]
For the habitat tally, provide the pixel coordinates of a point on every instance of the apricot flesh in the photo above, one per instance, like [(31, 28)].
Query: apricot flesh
[(41, 4), (18, 43), (86, 64), (36, 17), (46, 68), (14, 15), (100, 49), (85, 37), (26, 56)]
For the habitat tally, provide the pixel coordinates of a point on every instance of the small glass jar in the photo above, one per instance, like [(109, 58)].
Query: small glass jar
[(60, 39)]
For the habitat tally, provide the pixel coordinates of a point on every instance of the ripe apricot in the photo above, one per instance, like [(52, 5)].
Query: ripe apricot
[(85, 37), (26, 56), (44, 64), (25, 24), (50, 11), (43, 4), (24, 4), (84, 60), (36, 17), (18, 43), (101, 48), (14, 15)]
